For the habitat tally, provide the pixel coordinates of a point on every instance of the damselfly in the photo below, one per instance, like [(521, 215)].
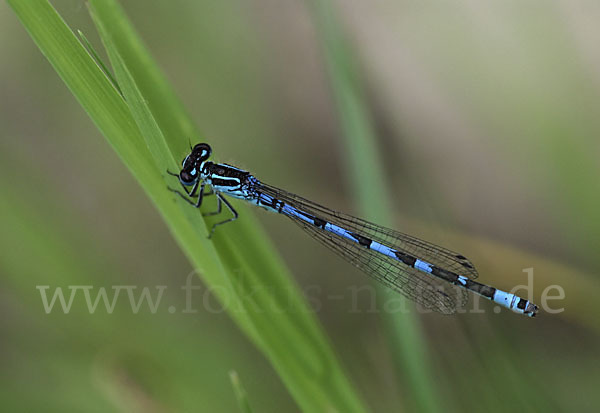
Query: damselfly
[(432, 276)]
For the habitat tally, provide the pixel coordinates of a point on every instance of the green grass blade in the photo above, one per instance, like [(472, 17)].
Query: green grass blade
[(240, 393), (405, 336), (99, 61), (166, 108), (240, 266), (236, 255)]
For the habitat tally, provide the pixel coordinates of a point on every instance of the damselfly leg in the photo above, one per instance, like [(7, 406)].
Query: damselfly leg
[(201, 193), (217, 212), (220, 199)]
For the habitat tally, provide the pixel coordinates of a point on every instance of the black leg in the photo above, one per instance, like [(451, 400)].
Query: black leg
[(233, 218), (190, 194), (218, 211)]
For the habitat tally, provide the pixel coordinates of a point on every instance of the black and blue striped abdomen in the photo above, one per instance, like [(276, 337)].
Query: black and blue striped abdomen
[(432, 276)]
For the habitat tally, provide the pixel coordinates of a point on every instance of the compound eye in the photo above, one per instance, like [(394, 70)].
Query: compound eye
[(188, 178), (203, 151), (184, 160)]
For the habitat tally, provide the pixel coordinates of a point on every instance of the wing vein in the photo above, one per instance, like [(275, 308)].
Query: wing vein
[(418, 286)]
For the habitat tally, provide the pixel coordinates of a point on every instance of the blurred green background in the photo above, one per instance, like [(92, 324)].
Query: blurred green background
[(487, 121)]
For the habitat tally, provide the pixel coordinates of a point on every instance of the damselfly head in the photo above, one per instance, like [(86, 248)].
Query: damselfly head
[(192, 164)]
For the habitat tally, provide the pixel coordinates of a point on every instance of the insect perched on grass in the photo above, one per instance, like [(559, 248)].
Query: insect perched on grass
[(432, 276)]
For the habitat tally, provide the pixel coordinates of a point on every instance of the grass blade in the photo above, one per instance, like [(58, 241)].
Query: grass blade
[(240, 393), (149, 133), (99, 61), (404, 333)]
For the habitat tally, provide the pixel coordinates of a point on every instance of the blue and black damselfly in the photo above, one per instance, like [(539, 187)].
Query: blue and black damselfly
[(432, 276)]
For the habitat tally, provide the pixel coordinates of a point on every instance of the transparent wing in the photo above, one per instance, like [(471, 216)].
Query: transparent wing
[(420, 287)]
